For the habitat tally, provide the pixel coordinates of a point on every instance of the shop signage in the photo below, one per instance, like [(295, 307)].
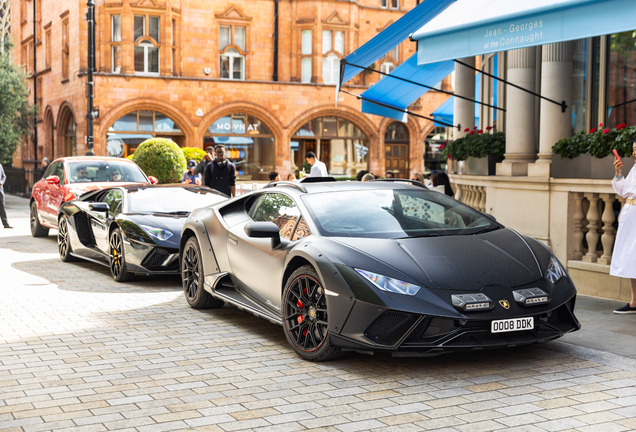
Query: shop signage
[(237, 128)]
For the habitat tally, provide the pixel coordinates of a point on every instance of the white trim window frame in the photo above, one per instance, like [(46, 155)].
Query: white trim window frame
[(148, 49), (330, 68), (229, 58), (306, 54), (115, 38)]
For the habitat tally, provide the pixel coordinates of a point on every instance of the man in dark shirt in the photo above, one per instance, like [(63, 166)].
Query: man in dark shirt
[(207, 158), (220, 174)]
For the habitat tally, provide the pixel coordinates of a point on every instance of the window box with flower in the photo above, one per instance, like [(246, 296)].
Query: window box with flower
[(478, 150), (589, 155)]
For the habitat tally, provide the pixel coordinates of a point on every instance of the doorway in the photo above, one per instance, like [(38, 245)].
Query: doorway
[(396, 147)]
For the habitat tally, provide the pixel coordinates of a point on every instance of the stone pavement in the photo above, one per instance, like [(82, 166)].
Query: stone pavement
[(79, 352)]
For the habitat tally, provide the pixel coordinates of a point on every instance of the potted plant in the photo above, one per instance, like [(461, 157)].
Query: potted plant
[(481, 150)]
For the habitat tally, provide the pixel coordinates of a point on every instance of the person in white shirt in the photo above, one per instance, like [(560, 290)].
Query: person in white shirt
[(318, 169)]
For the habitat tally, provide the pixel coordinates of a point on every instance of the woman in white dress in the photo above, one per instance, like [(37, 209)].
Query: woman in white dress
[(624, 256)]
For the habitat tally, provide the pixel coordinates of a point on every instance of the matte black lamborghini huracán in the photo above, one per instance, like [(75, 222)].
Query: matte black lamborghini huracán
[(375, 266), (133, 229)]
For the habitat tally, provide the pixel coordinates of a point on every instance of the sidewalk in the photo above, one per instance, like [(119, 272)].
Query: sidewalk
[(601, 329)]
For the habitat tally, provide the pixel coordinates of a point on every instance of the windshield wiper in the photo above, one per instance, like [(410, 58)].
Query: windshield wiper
[(486, 229), (181, 212)]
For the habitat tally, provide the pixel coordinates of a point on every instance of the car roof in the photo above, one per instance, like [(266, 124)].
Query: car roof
[(91, 159), (339, 186)]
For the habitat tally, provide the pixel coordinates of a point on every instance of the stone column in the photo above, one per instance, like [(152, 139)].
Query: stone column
[(556, 84), (520, 114), (463, 110)]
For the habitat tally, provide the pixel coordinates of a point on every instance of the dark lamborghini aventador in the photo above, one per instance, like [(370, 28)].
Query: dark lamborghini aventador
[(375, 266), (132, 229)]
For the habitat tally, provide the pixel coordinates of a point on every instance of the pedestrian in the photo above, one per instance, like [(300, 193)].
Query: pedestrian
[(417, 176), (318, 169), (189, 177), (361, 174), (45, 165), (220, 174), (274, 177), (205, 160), (441, 179), (625, 244), (291, 177), (389, 174), (367, 177), (3, 212)]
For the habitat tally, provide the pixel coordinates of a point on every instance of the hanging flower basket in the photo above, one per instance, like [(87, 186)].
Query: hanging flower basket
[(476, 144), (597, 143)]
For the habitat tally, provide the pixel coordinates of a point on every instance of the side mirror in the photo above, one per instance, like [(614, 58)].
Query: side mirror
[(263, 230), (153, 180), (98, 207), (53, 180)]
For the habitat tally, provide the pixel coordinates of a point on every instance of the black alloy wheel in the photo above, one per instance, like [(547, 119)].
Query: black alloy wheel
[(192, 278), (305, 316), (37, 230), (117, 257), (64, 241)]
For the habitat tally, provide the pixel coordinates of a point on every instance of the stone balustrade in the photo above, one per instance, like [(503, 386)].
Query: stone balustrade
[(471, 195)]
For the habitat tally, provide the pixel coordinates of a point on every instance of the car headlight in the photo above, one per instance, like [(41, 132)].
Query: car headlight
[(554, 272), (386, 283), (159, 233)]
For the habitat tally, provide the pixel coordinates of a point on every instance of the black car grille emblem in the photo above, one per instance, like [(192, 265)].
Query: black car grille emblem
[(504, 304)]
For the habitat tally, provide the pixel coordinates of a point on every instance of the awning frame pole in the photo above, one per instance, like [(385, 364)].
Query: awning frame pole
[(621, 104), (405, 111), (562, 104), (344, 62)]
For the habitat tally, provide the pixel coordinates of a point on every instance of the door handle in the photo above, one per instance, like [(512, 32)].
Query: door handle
[(232, 240)]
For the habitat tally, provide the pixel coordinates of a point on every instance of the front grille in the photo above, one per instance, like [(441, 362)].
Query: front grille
[(155, 258), (384, 324)]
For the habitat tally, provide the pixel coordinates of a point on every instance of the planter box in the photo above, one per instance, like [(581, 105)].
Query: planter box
[(475, 166), (587, 167)]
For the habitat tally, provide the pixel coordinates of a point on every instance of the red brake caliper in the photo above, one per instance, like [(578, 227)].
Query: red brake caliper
[(302, 306)]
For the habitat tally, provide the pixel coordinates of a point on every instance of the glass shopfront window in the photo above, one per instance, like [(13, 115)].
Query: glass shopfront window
[(337, 142), (249, 144), (621, 77), (133, 128)]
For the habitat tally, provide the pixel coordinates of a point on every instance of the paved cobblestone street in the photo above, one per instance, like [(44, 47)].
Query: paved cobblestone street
[(81, 352)]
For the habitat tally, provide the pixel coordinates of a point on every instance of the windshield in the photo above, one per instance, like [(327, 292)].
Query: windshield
[(174, 200), (394, 214), (105, 171)]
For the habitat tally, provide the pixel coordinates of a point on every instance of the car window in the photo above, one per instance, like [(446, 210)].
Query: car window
[(113, 199), (50, 169), (105, 171), (277, 208), (302, 230), (59, 171)]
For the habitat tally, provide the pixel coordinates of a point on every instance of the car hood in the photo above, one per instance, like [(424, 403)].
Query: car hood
[(460, 263), (172, 223)]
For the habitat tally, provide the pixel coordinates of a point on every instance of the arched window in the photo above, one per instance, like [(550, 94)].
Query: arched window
[(387, 67), (248, 142), (337, 142), (232, 64), (132, 129), (147, 58)]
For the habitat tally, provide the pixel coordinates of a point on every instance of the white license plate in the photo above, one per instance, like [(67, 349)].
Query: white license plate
[(515, 324)]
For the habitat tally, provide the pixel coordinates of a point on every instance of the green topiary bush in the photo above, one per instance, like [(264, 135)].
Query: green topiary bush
[(193, 153), (162, 158)]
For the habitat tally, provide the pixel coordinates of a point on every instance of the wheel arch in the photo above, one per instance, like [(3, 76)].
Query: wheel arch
[(294, 264)]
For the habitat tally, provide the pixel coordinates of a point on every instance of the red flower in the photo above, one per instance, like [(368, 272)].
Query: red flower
[(466, 130), (472, 132), (488, 128), (480, 131), (605, 131), (441, 146), (621, 126), (600, 125), (592, 130), (475, 128)]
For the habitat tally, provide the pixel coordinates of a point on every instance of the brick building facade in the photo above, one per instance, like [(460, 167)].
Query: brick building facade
[(202, 72)]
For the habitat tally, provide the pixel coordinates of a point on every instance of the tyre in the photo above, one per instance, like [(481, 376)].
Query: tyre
[(305, 316), (118, 258), (192, 278), (64, 241), (37, 230)]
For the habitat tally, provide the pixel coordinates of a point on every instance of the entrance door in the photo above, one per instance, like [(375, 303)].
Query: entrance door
[(397, 160)]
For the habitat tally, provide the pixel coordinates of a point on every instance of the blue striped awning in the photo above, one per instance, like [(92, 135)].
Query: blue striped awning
[(400, 94), (474, 27), (389, 38)]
